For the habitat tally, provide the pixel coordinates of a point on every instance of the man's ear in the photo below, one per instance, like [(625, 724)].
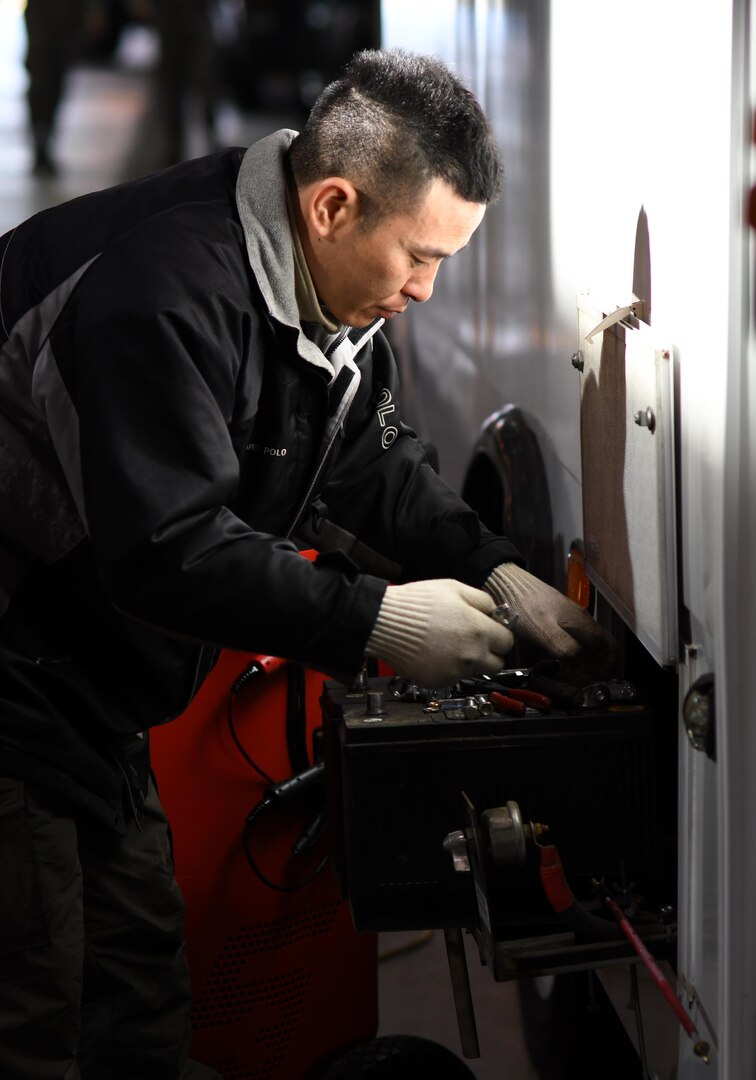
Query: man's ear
[(333, 205)]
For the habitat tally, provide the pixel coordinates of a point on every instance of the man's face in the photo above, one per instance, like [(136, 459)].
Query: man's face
[(365, 274)]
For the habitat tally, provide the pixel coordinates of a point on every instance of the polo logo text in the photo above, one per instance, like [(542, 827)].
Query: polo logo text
[(273, 451), (385, 408)]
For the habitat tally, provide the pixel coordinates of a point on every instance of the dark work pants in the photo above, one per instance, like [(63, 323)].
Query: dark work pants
[(53, 30), (187, 68), (93, 978)]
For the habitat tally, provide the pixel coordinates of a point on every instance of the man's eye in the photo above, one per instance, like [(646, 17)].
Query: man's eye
[(417, 262)]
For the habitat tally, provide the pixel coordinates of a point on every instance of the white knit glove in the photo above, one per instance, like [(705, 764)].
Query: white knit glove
[(545, 617), (435, 632)]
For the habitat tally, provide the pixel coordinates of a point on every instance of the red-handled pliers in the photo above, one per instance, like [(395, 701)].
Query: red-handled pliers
[(516, 702)]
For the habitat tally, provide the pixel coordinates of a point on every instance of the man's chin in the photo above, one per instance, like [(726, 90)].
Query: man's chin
[(359, 319)]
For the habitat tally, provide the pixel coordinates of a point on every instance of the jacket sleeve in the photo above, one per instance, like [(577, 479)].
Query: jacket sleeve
[(383, 490), (157, 346)]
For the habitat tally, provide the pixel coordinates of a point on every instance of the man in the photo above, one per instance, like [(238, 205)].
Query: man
[(193, 378), (54, 33), (187, 71)]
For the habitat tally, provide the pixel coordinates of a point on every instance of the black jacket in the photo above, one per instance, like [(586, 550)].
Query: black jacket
[(165, 429)]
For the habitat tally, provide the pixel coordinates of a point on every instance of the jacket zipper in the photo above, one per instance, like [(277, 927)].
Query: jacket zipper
[(343, 410), (316, 476), (336, 342), (338, 425)]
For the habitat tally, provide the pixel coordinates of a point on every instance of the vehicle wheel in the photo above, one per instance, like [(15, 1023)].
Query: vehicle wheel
[(397, 1057), (572, 1032), (506, 485)]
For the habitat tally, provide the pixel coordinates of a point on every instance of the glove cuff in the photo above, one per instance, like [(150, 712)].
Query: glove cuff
[(404, 614), (507, 583)]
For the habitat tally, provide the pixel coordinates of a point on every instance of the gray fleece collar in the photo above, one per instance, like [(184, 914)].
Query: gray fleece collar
[(261, 202)]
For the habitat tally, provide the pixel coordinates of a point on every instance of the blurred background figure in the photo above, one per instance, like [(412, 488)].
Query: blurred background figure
[(54, 30), (187, 75), (93, 92), (286, 51)]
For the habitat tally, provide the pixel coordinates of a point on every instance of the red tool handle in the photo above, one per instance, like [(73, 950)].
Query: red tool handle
[(507, 705), (531, 698), (652, 967)]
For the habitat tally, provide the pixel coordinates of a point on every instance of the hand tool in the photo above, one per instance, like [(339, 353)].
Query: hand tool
[(504, 615), (515, 702), (461, 708)]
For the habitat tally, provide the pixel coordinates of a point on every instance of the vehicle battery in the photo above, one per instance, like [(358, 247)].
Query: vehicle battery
[(395, 782)]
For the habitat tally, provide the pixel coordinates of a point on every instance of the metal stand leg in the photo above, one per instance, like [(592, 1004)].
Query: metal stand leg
[(463, 1003)]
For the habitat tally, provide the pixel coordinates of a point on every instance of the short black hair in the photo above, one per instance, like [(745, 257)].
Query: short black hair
[(391, 124)]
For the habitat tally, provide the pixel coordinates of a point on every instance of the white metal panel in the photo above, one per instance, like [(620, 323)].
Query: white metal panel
[(627, 429), (736, 670)]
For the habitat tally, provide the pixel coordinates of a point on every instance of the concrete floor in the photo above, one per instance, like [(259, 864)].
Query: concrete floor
[(107, 134), (415, 998)]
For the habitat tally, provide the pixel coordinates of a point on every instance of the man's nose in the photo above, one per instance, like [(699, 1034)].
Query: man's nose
[(419, 286)]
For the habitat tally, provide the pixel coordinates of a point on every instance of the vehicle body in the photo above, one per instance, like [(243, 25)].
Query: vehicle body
[(626, 132)]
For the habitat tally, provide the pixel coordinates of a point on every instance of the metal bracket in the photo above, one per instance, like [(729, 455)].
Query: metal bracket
[(636, 309)]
